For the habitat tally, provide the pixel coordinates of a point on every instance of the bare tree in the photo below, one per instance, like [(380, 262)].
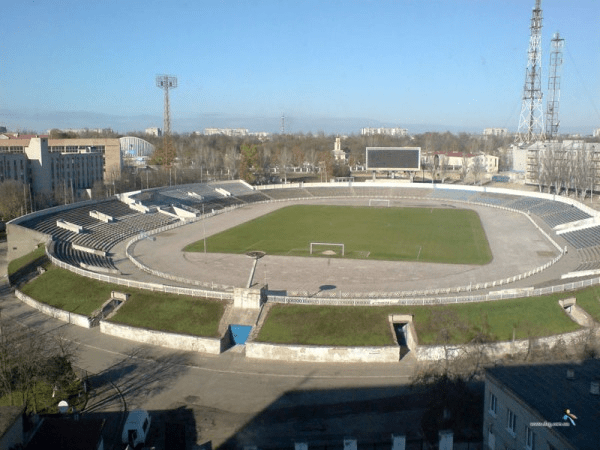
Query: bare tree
[(14, 199)]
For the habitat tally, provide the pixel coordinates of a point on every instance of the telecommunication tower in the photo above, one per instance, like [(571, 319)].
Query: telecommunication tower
[(556, 60), (282, 128), (531, 121), (167, 153)]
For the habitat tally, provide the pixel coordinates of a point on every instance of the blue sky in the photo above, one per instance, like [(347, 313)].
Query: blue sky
[(327, 65)]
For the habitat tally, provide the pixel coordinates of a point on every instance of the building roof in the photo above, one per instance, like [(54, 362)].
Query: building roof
[(67, 434), (546, 389), (22, 136), (8, 416), (457, 154)]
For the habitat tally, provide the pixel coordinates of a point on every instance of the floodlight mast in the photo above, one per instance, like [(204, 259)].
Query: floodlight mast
[(166, 82), (552, 104), (531, 120)]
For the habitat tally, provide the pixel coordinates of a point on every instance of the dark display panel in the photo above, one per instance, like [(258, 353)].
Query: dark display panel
[(393, 158)]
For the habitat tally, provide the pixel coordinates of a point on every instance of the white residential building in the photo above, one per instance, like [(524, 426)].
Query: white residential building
[(384, 131), (495, 132), (226, 131), (153, 131)]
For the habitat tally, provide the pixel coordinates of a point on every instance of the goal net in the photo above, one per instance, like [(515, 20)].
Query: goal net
[(323, 246), (379, 202)]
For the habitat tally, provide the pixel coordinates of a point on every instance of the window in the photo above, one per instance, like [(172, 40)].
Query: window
[(529, 439), (493, 404), (511, 422)]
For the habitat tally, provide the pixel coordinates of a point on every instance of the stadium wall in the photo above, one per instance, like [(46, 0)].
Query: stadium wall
[(65, 316), (497, 350), (175, 341), (313, 353)]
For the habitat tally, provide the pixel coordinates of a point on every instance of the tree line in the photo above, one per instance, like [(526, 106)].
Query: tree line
[(212, 157)]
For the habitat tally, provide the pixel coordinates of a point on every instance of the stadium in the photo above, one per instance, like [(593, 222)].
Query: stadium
[(539, 245)]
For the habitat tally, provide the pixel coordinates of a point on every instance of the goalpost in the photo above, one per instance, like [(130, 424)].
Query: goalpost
[(330, 244), (379, 202)]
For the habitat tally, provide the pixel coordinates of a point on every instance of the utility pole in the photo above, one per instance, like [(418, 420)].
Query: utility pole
[(531, 120), (552, 104)]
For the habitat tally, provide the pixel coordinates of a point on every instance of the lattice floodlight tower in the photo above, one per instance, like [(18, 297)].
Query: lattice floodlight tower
[(531, 121), (167, 82), (556, 60)]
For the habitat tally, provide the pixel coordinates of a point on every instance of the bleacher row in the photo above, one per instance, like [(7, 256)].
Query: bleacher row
[(64, 251), (103, 236)]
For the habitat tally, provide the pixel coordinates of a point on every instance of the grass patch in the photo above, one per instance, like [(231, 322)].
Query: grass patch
[(365, 326), (170, 312), (17, 264), (155, 310), (68, 291), (326, 325), (397, 234), (588, 299)]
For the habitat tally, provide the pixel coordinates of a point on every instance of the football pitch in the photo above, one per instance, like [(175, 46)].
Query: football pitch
[(440, 235)]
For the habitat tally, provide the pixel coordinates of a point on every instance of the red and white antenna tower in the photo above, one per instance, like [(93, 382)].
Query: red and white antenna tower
[(531, 121), (556, 60)]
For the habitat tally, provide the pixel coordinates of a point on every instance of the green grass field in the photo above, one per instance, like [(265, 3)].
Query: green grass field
[(21, 262), (366, 326), (155, 310), (396, 234)]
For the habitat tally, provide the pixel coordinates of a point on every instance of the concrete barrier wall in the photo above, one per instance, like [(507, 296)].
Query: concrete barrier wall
[(169, 340), (101, 216), (22, 241), (311, 353), (93, 251), (185, 213), (497, 349), (65, 316)]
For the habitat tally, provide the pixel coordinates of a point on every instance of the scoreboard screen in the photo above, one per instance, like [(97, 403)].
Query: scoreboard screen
[(394, 158)]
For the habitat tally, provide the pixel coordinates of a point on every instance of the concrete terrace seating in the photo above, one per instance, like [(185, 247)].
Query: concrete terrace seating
[(113, 208), (106, 235), (525, 203), (589, 237), (64, 252), (492, 199), (235, 188), (333, 191), (566, 215), (452, 194), (589, 254), (253, 197), (285, 194)]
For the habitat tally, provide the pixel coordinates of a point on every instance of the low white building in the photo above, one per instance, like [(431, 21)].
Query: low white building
[(154, 131), (384, 131), (495, 132), (456, 161), (226, 131)]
